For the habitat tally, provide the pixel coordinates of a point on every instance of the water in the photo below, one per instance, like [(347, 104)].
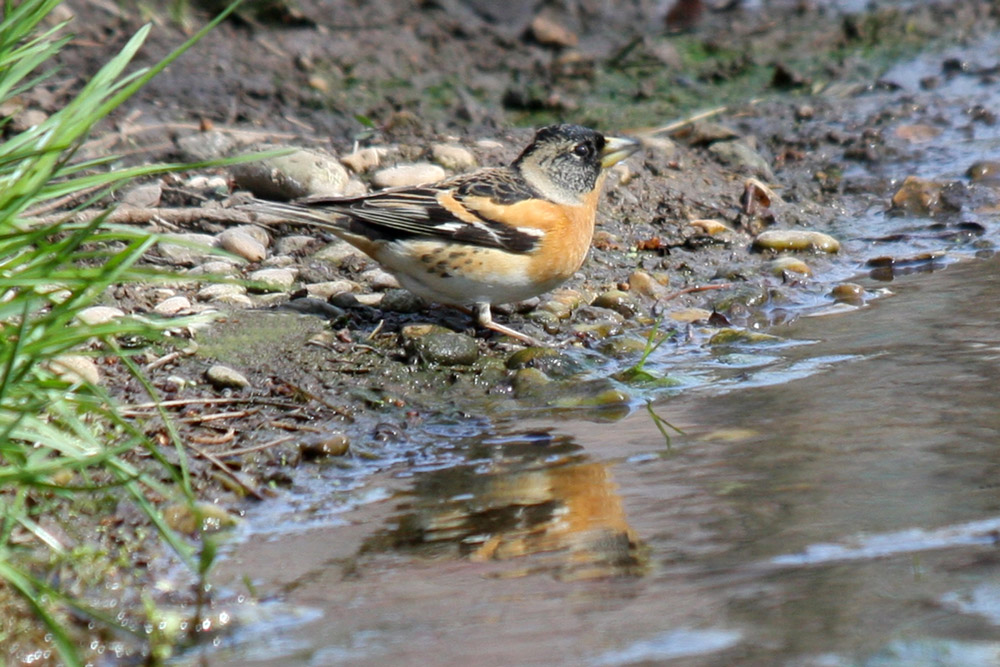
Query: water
[(832, 500)]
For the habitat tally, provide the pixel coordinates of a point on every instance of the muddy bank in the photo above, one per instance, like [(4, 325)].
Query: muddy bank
[(337, 372)]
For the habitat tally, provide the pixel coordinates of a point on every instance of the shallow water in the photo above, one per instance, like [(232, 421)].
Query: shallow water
[(832, 500), (848, 516)]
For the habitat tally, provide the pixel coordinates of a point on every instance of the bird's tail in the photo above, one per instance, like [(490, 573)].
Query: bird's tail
[(273, 213)]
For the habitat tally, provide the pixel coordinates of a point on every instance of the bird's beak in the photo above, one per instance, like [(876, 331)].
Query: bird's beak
[(617, 149)]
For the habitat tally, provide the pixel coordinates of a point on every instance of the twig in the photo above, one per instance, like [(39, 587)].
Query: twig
[(176, 402), (201, 419), (61, 201), (162, 361), (214, 440), (256, 448), (225, 470)]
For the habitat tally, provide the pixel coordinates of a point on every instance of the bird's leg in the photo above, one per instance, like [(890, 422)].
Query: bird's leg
[(485, 319)]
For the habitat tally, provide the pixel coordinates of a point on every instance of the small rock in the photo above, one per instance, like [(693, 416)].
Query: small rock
[(273, 280), (528, 382), (411, 332), (224, 377), (324, 445), (216, 267), (738, 155), (379, 279), (337, 253), (278, 261), (402, 301), (143, 196), (311, 306), (551, 33), (851, 293), (916, 134), (76, 368), (553, 363), (27, 119), (99, 315), (303, 173), (454, 157), (562, 303), (645, 285), (690, 315), (795, 239), (172, 306), (296, 244), (325, 290), (710, 227), (242, 244), (618, 301), (205, 517), (217, 290), (234, 300), (730, 336), (446, 349), (984, 171), (419, 173), (364, 159), (205, 146), (186, 249), (804, 112), (782, 265), (918, 196)]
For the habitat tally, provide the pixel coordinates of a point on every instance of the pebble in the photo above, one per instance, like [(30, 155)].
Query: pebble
[(242, 244), (402, 301), (324, 445), (782, 265), (710, 227), (984, 171), (795, 239), (689, 315), (273, 280), (303, 173), (76, 368), (738, 155), (278, 261), (311, 306), (212, 518), (552, 33), (295, 244), (618, 301), (379, 279), (27, 119), (528, 381), (553, 363), (172, 306), (337, 253), (224, 377), (453, 156), (729, 336), (918, 196), (143, 196), (419, 173), (235, 300), (204, 146), (216, 267), (851, 293), (646, 285), (562, 303), (330, 288), (445, 348), (214, 291), (99, 315), (186, 249), (364, 159)]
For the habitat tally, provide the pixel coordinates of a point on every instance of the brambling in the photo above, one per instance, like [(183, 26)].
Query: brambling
[(495, 235)]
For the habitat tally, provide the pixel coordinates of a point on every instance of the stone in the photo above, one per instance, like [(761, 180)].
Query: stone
[(739, 156), (445, 349), (302, 173), (618, 301), (273, 280), (143, 196), (402, 301), (186, 249), (172, 306), (205, 146), (984, 171), (419, 173), (330, 288), (783, 265), (95, 315), (324, 445), (223, 266), (337, 253), (453, 157), (379, 279), (216, 290), (363, 160), (549, 32), (646, 285), (295, 244), (850, 293), (710, 227), (795, 239), (242, 244), (76, 368), (224, 377)]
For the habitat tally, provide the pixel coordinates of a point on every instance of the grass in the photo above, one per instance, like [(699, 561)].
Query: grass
[(64, 447)]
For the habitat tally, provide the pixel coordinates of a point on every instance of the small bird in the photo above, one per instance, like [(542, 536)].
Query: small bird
[(495, 235)]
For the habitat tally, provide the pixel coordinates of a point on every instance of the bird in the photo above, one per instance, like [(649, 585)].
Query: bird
[(490, 236)]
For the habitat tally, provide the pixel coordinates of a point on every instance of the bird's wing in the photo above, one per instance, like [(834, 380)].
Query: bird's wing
[(462, 209)]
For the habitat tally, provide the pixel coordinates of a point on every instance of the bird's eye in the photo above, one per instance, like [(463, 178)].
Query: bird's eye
[(583, 150)]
